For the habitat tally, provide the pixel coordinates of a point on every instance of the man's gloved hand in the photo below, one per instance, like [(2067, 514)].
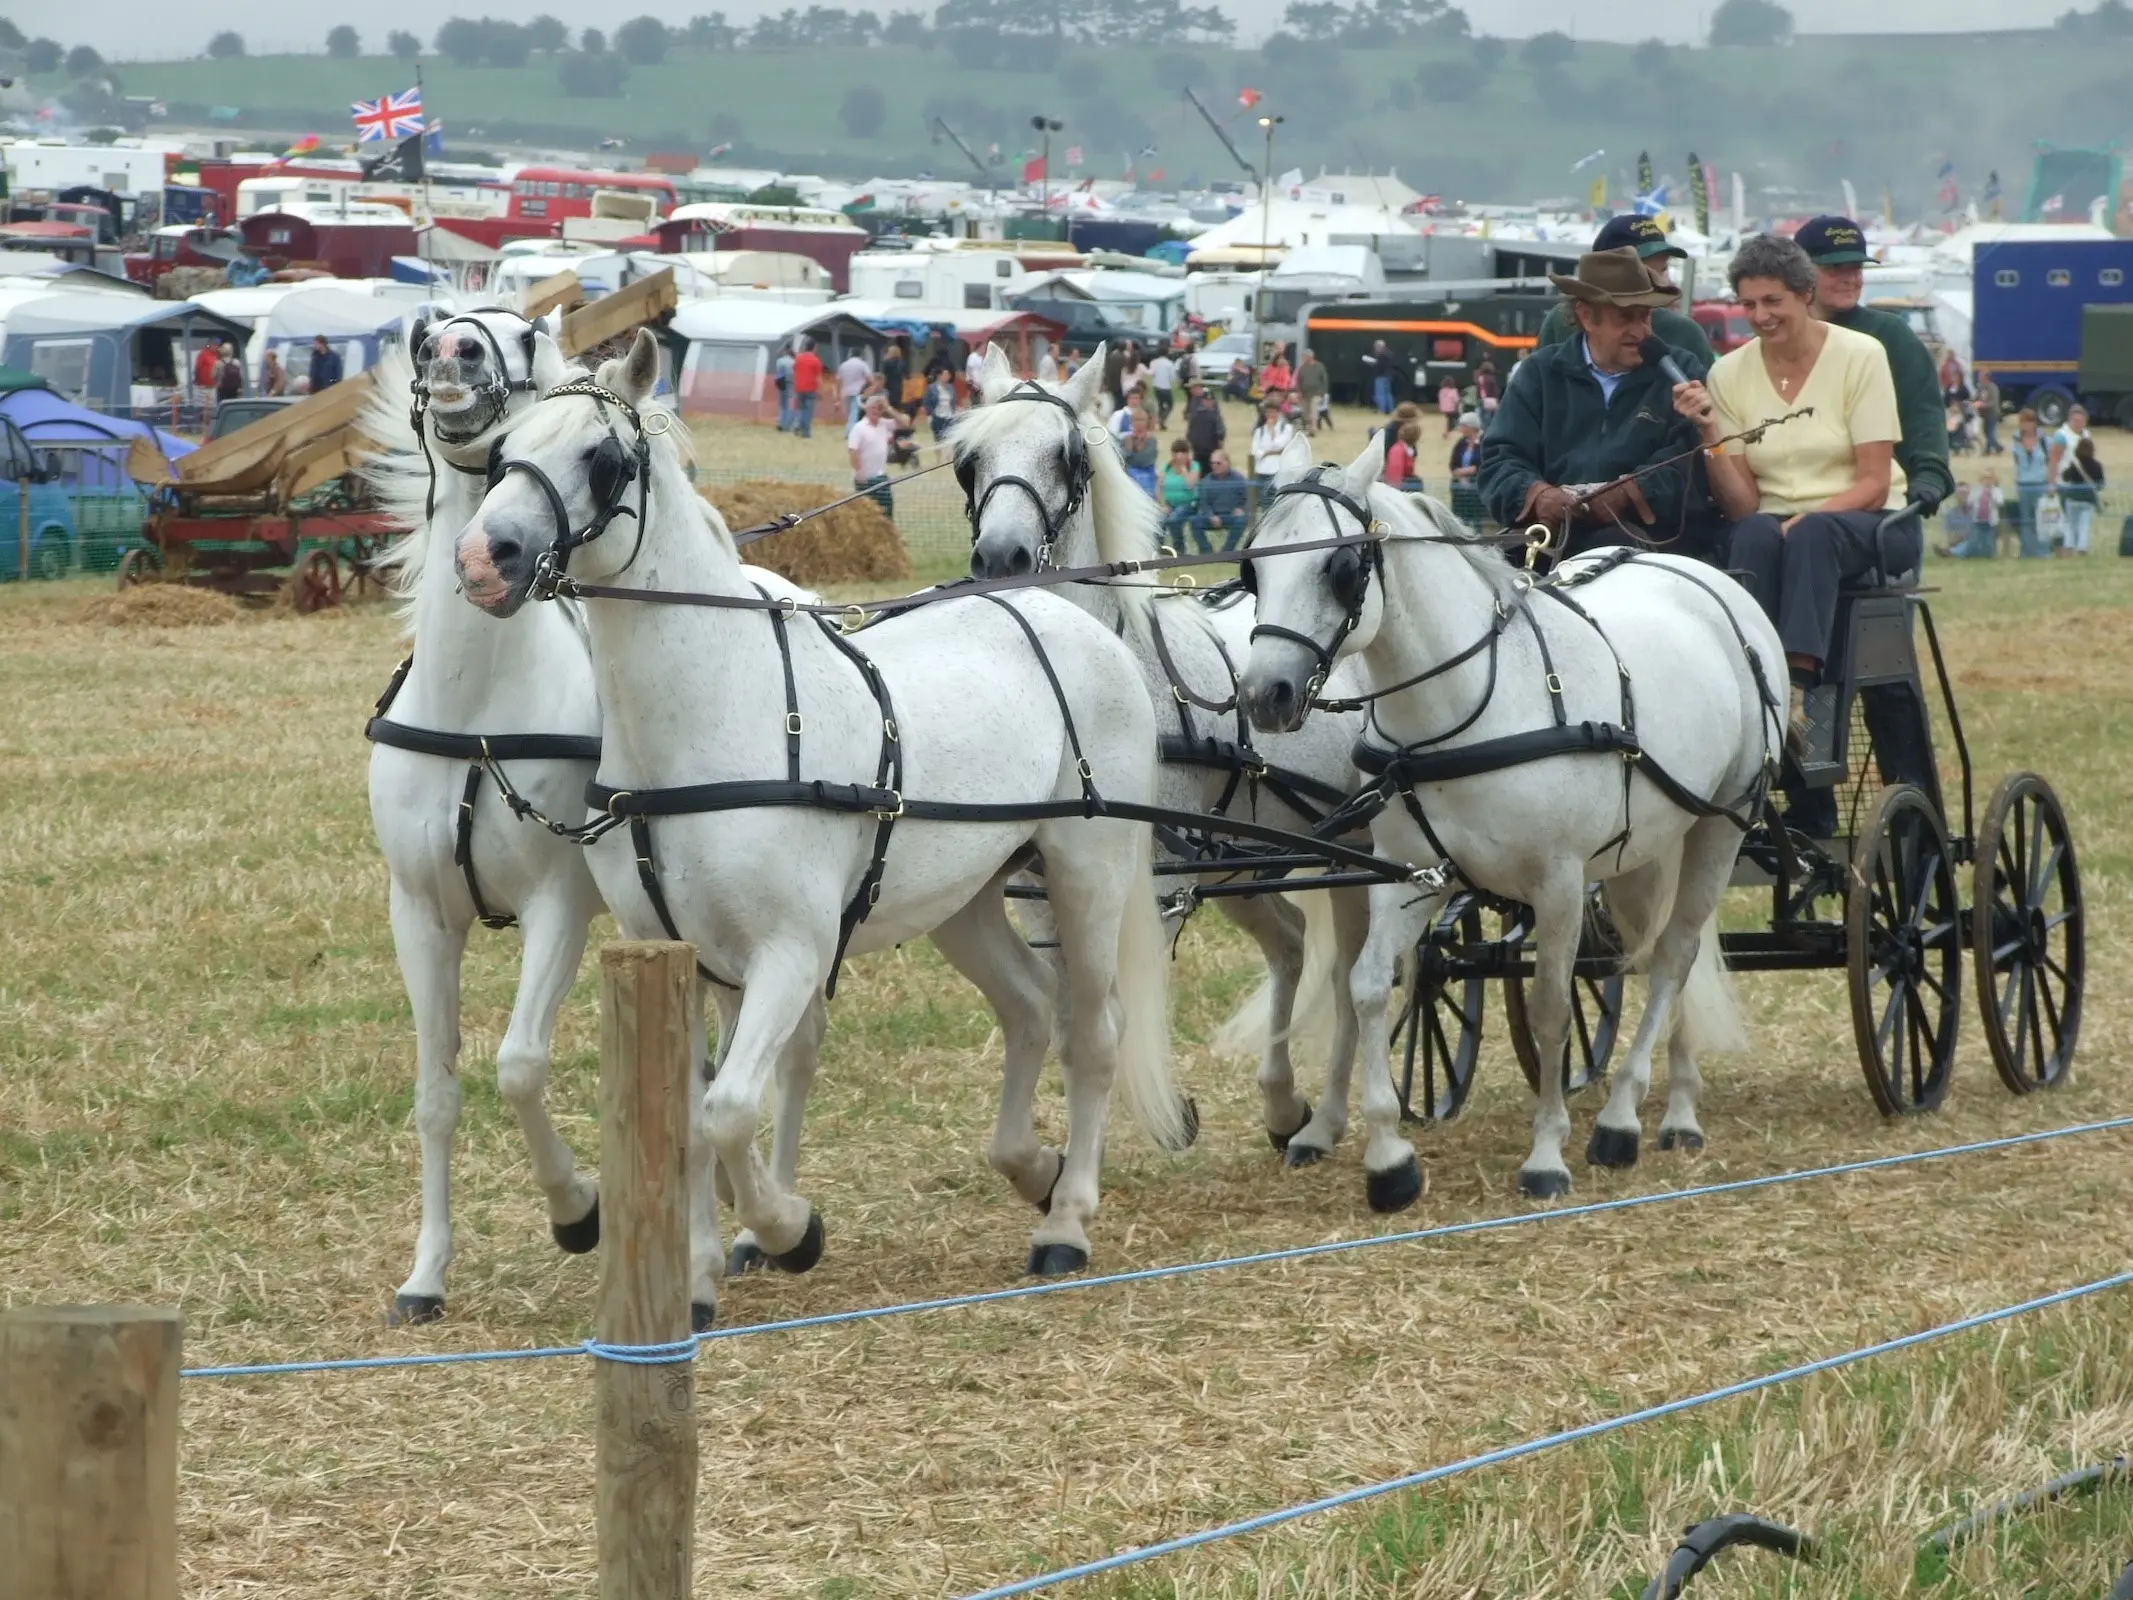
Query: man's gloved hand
[(1548, 505), (1625, 502)]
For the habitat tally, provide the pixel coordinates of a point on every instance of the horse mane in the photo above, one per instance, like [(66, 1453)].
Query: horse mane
[(1426, 516)]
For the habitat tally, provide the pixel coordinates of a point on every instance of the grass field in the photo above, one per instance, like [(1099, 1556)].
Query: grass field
[(1879, 111), (205, 1099)]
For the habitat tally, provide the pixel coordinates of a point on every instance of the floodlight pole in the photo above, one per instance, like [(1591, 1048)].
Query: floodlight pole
[(1046, 127), (1266, 223)]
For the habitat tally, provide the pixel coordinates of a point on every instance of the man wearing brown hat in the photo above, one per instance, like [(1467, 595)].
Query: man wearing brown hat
[(1658, 252), (1591, 409)]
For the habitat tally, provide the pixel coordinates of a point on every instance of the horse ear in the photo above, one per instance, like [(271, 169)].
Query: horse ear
[(1295, 460), (998, 374), (1083, 388), (1368, 467), (636, 374)]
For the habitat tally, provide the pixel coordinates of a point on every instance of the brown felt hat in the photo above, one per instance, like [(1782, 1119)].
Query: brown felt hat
[(1614, 278)]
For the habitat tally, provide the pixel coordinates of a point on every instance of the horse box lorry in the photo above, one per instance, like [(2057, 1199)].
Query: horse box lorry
[(2030, 297)]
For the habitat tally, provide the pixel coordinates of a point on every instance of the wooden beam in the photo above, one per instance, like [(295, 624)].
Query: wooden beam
[(558, 293), (645, 1454), (89, 1453), (646, 300)]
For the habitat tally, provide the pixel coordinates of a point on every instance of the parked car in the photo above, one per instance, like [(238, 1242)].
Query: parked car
[(1724, 323), (242, 412), (32, 504)]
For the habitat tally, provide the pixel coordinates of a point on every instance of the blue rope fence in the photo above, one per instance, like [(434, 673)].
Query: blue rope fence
[(683, 1349), (1534, 1447)]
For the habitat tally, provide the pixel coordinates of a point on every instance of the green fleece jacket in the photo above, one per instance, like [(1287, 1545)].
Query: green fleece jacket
[(1555, 426), (1682, 332), (1922, 452)]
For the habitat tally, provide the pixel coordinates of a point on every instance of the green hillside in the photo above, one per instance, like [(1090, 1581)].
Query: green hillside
[(1877, 111)]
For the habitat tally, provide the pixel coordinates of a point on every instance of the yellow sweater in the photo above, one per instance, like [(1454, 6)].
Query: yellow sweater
[(1811, 459)]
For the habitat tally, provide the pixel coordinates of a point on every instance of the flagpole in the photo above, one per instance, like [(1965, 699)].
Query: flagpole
[(429, 269)]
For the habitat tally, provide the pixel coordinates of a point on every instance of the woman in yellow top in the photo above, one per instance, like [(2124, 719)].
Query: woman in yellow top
[(1805, 501)]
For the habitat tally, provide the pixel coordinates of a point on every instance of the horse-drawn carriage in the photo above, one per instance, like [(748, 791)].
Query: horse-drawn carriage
[(1884, 900)]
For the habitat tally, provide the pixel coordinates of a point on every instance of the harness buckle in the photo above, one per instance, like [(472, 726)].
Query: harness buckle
[(853, 619), (1088, 773), (1555, 685), (614, 799), (790, 605), (888, 729), (547, 578), (881, 815), (1184, 583), (792, 723), (1433, 880)]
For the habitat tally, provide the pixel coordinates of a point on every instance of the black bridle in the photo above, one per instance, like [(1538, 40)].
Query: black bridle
[(496, 391), (1079, 470), (614, 466), (1348, 572)]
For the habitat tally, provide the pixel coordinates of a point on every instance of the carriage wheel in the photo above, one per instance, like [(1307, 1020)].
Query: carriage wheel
[(1442, 1020), (2027, 934), (1595, 1005), (1903, 921), (317, 582), (139, 565)]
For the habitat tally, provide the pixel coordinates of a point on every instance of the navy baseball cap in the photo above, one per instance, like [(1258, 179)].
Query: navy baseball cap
[(1648, 238), (1833, 241)]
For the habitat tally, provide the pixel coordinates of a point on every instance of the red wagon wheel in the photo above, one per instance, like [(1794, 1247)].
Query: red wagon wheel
[(138, 566), (317, 582)]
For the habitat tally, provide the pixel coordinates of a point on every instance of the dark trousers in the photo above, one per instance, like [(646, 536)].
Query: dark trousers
[(1164, 400), (1795, 576)]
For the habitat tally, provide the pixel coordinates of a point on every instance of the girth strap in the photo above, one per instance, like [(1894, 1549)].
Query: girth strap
[(463, 854)]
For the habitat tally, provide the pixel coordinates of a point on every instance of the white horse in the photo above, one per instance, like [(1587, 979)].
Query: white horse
[(1463, 650), (1046, 487), (954, 703), (454, 850)]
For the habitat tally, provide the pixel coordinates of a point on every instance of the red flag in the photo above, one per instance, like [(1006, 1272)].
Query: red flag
[(1248, 98), (1033, 170), (1156, 176)]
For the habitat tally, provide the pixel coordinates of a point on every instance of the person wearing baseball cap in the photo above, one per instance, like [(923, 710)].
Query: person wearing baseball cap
[(1837, 247), (1649, 240), (1593, 409)]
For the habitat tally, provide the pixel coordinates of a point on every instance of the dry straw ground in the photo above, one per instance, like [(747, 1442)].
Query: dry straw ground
[(204, 1099)]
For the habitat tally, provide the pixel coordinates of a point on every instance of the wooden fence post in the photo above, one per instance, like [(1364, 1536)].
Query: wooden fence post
[(646, 1456), (89, 1453)]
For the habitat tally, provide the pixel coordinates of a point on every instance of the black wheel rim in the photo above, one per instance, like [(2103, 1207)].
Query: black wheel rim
[(2028, 929), (1439, 1030), (1907, 971)]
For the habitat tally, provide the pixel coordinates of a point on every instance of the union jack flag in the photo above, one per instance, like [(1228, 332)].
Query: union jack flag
[(397, 116)]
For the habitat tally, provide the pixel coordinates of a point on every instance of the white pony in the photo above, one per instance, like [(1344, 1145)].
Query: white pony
[(454, 850), (771, 891), (1046, 487), (1671, 649)]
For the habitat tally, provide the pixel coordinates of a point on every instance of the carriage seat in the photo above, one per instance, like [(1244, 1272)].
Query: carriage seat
[(1874, 581)]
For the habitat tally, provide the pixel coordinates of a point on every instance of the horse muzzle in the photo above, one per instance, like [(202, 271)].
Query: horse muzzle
[(1002, 554), (495, 568), (1276, 698)]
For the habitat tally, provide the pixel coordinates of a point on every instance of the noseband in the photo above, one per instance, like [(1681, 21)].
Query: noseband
[(1079, 470), (1348, 572), (614, 466)]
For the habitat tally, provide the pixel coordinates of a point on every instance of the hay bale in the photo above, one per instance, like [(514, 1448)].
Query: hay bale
[(853, 544), (163, 605)]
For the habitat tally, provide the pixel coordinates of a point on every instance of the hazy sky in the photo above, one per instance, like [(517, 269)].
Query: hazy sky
[(155, 29)]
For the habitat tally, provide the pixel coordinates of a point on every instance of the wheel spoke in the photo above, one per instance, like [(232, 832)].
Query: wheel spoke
[(2045, 1002), (2026, 1010), (2056, 970), (2036, 1029), (2060, 919), (2035, 834), (2040, 882), (1885, 1033)]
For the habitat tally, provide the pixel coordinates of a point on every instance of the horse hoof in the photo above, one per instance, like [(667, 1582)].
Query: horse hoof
[(701, 1316), (1394, 1189), (1544, 1185), (1301, 1155), (1280, 1141), (1680, 1139), (580, 1237), (1056, 1260), (807, 1252), (745, 1257), (1612, 1147), (412, 1310)]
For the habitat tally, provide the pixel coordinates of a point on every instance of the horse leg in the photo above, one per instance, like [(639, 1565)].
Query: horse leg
[(981, 942), (1347, 911), (1558, 914), (1640, 903), (707, 1185), (1708, 1016), (430, 946), (1392, 1178), (553, 930), (796, 1080), (1277, 927), (779, 988)]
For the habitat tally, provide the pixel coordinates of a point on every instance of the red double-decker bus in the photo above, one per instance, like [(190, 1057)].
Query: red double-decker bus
[(548, 194)]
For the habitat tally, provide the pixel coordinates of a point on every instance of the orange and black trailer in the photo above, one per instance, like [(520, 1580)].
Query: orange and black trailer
[(1449, 335)]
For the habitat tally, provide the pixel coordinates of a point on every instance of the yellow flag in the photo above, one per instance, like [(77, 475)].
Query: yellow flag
[(1599, 193)]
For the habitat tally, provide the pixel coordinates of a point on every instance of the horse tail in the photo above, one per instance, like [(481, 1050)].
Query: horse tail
[(1165, 1116), (1707, 1008), (1248, 1032)]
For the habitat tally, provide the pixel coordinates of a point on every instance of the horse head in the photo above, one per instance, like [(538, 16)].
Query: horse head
[(1024, 459), (579, 461), (478, 369), (1317, 605)]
